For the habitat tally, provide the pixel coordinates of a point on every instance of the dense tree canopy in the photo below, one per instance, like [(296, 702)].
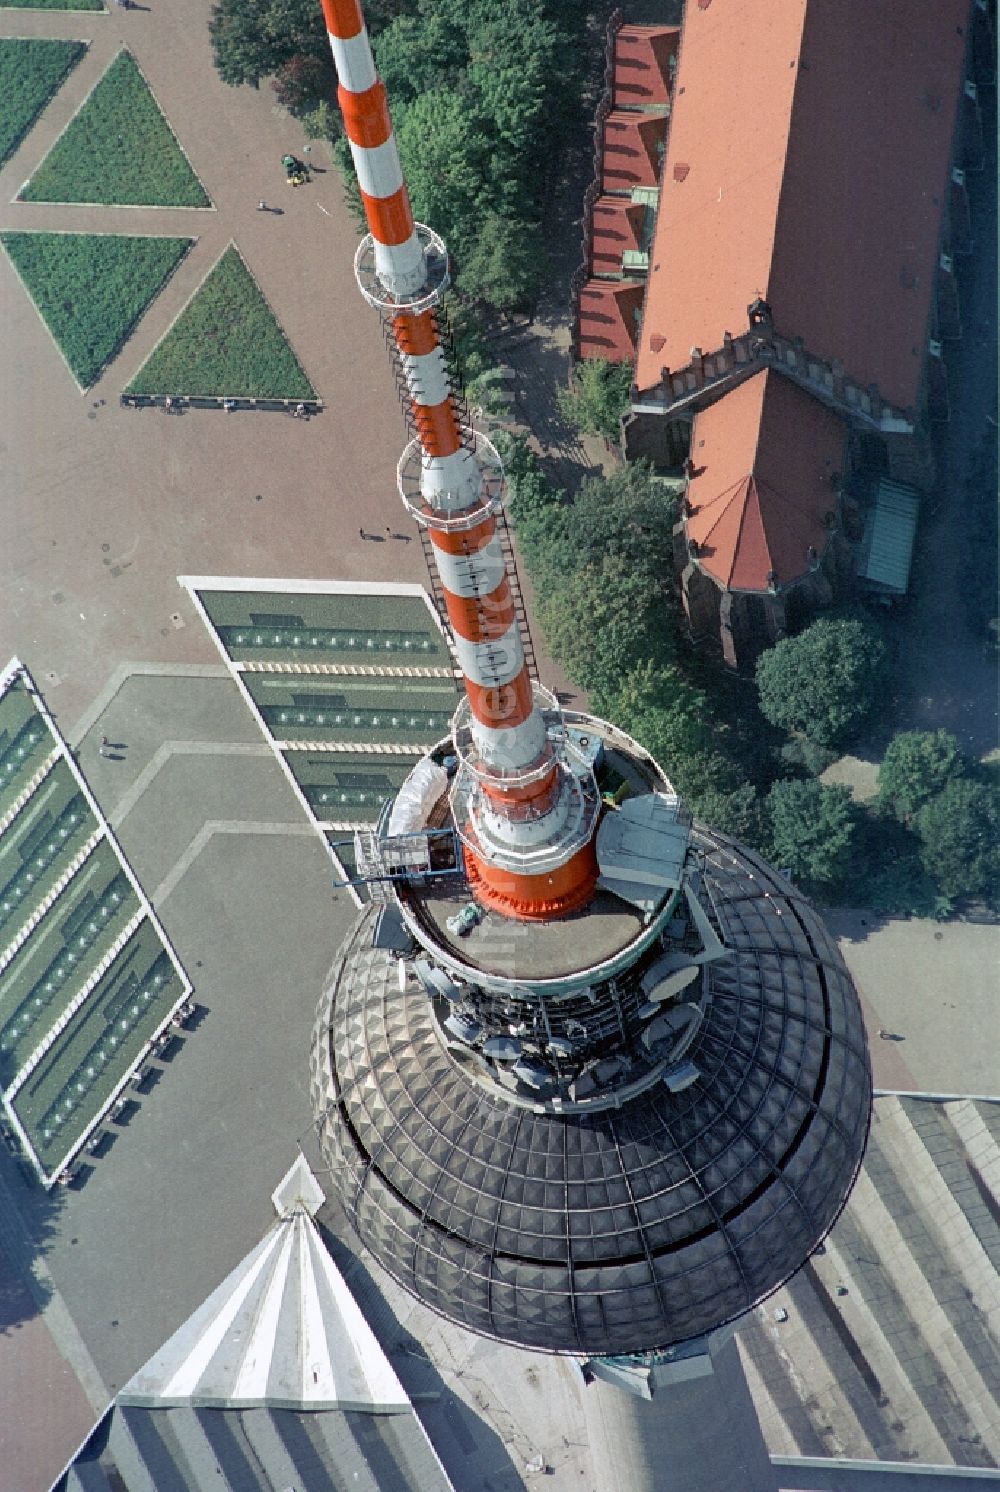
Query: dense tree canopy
[(960, 834), (598, 621), (825, 682), (504, 267), (916, 766), (598, 398), (445, 151), (627, 513), (814, 832), (739, 812), (253, 39), (602, 563), (482, 97)]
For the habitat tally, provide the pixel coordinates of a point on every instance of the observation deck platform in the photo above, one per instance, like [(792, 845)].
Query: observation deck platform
[(527, 950), (565, 947)]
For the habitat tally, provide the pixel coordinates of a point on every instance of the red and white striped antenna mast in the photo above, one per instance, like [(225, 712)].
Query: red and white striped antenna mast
[(524, 800)]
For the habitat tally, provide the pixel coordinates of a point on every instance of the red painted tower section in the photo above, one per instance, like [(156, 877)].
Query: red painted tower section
[(522, 801)]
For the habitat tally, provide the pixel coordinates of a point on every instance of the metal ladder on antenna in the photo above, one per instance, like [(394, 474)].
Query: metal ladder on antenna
[(517, 595), (436, 588), (513, 580)]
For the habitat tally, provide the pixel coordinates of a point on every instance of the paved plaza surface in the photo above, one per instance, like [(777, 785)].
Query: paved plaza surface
[(102, 509)]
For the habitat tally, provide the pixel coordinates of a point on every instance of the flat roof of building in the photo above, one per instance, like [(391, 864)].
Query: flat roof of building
[(349, 682), (88, 980)]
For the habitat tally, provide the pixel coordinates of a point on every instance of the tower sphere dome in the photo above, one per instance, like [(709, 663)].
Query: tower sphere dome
[(669, 1208)]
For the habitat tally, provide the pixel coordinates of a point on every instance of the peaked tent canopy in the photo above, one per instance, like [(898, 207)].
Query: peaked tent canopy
[(277, 1380), (282, 1330)]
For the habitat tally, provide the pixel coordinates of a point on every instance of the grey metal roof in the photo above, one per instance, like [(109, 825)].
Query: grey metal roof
[(276, 1383), (190, 1449), (887, 1346), (269, 1450), (886, 549), (630, 1229), (641, 849)]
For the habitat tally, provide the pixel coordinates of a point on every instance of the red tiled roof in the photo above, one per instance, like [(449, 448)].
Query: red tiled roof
[(617, 227), (760, 489), (642, 64), (608, 319), (818, 134), (631, 157)]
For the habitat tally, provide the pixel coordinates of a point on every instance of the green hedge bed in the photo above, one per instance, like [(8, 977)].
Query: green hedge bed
[(30, 72), (90, 289), (226, 342), (118, 150)]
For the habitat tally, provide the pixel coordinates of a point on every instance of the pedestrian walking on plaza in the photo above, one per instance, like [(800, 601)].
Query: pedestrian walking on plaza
[(102, 750)]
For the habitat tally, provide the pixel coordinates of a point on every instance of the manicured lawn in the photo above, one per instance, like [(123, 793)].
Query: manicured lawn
[(118, 149), (92, 288), (30, 73), (226, 341), (51, 5)]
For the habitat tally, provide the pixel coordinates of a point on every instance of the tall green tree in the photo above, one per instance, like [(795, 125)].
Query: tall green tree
[(474, 87), (601, 620), (252, 39), (737, 811), (505, 266), (445, 149), (960, 838), (814, 832), (672, 718), (598, 398), (416, 54), (916, 766), (825, 682)]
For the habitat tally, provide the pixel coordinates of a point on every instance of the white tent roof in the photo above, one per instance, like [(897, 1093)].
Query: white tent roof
[(282, 1329)]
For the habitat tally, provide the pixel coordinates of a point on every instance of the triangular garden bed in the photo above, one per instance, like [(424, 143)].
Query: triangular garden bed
[(31, 69), (91, 288), (226, 343), (118, 150)]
